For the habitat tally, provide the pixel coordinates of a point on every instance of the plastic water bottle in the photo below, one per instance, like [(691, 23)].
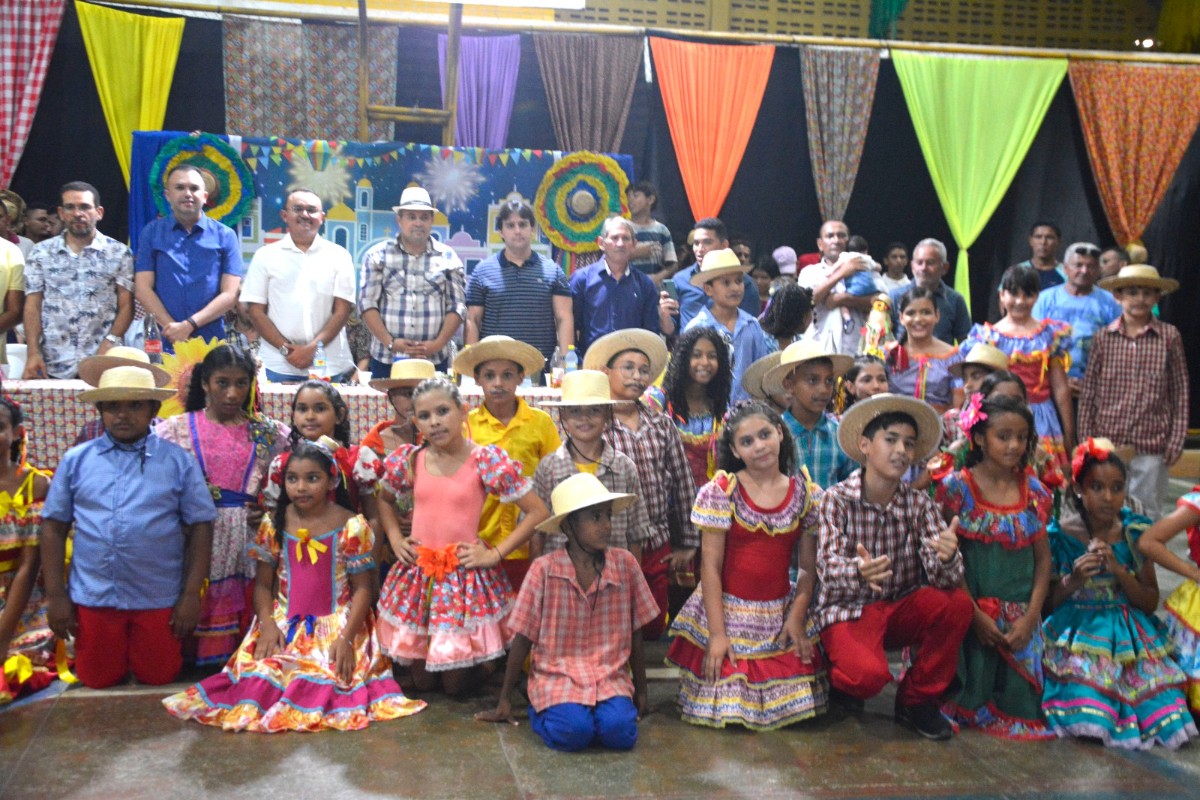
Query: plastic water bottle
[(320, 368), (558, 366), (571, 362), (152, 342)]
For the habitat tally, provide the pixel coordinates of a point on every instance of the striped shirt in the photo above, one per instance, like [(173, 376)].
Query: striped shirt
[(518, 299)]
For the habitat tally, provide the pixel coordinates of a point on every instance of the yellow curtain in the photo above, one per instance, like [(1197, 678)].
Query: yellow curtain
[(1179, 26), (133, 61)]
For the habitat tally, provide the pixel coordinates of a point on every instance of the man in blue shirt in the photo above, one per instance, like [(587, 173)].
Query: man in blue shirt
[(608, 295), (708, 234), (189, 266), (929, 264)]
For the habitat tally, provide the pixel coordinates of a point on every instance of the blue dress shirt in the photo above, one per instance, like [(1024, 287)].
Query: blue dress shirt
[(604, 304)]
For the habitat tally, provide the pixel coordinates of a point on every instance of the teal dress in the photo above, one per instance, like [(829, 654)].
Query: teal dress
[(1108, 672)]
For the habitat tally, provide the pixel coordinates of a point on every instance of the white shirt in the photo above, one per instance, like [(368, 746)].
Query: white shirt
[(298, 289)]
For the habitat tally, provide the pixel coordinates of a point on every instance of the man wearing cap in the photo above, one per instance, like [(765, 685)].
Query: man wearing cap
[(189, 265), (708, 234), (78, 289), (411, 292), (929, 265), (299, 292), (1080, 303), (842, 296), (142, 515), (1135, 390), (609, 295), (785, 259)]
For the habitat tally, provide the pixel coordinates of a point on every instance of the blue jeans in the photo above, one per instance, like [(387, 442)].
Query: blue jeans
[(570, 727), (382, 369), (349, 376)]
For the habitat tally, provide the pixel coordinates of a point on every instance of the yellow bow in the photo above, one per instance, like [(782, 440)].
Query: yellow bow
[(303, 537), (18, 669), (16, 505)]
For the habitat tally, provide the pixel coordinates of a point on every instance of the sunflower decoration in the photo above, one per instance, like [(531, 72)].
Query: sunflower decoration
[(180, 364), (227, 179), (576, 195)]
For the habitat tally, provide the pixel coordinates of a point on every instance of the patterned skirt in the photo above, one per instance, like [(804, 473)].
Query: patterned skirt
[(225, 611), (30, 654), (1183, 627), (449, 623), (768, 688)]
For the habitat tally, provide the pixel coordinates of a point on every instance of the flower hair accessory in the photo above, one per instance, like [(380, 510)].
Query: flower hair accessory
[(1100, 450), (972, 414), (733, 409)]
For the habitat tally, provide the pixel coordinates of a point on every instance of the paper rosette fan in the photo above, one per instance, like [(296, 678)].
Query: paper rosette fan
[(226, 177), (187, 356), (576, 195)]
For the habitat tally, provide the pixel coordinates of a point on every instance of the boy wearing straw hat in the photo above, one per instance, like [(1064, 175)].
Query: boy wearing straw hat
[(720, 276), (584, 413), (499, 364), (1135, 390), (91, 368), (889, 568), (581, 612), (143, 518)]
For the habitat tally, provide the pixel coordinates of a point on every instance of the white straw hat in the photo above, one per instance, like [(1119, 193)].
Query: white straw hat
[(92, 367), (499, 348), (584, 387), (125, 383), (406, 372), (859, 415), (577, 492)]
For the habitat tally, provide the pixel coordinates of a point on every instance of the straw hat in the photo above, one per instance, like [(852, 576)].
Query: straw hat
[(859, 415), (91, 368), (502, 348), (984, 355), (795, 355), (578, 492), (1139, 275), (584, 387), (649, 344), (407, 372), (752, 378), (414, 198), (717, 263), (125, 383)]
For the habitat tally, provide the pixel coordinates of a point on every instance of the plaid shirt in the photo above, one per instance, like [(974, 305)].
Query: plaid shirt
[(819, 451), (666, 478), (618, 474), (905, 530), (581, 640), (413, 294), (1135, 391)]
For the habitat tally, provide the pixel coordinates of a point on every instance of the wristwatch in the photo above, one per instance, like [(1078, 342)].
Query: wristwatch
[(113, 339), (285, 349)]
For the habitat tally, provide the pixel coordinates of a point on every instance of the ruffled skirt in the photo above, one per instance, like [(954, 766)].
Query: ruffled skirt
[(30, 656), (769, 688), (1183, 628), (225, 610)]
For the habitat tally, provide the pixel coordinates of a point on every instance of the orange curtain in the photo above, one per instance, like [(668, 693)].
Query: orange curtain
[(1137, 122), (711, 93)]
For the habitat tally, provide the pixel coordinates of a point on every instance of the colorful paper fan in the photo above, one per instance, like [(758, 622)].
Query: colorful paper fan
[(230, 198), (576, 195)]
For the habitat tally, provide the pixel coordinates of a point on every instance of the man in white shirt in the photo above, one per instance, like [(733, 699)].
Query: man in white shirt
[(299, 292)]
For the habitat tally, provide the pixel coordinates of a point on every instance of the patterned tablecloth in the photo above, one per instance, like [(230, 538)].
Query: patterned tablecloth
[(53, 415)]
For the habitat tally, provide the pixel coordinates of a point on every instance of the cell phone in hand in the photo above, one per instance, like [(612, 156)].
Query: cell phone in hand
[(671, 289)]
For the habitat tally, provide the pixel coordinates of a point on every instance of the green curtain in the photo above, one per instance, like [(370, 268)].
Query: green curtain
[(884, 14), (975, 118), (1179, 26)]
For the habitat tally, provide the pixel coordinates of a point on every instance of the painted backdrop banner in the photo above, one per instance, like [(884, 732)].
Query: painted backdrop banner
[(359, 183)]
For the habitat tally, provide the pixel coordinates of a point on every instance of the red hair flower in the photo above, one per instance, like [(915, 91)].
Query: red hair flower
[(1091, 447), (940, 465), (1052, 475)]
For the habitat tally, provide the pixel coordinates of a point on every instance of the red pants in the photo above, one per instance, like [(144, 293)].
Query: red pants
[(112, 643), (515, 569), (654, 568), (933, 620)]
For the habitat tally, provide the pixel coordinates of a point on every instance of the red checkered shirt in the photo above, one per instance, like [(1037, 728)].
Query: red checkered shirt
[(666, 477), (1135, 390), (905, 530), (618, 474), (581, 639)]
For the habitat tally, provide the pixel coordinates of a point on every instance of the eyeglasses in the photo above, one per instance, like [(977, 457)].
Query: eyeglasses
[(312, 211), (631, 370)]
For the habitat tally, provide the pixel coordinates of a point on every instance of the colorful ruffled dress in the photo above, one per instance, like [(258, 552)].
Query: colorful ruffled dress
[(28, 666), (360, 468), (770, 687), (924, 377), (1183, 614), (699, 435), (1001, 690), (1030, 356), (234, 460), (435, 610), (1109, 673), (298, 689)]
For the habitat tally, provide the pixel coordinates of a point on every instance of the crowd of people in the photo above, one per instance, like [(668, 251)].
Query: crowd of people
[(790, 467)]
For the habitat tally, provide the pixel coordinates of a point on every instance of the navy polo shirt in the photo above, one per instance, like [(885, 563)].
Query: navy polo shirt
[(518, 300)]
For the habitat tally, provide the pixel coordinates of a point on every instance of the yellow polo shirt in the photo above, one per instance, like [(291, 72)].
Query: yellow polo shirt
[(528, 438)]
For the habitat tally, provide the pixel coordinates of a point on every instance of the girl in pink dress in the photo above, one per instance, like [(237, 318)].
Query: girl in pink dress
[(444, 605)]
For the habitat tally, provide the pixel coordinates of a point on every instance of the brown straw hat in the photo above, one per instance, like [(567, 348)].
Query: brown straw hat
[(1139, 275), (648, 344), (796, 354), (984, 355), (92, 367), (717, 263), (499, 348)]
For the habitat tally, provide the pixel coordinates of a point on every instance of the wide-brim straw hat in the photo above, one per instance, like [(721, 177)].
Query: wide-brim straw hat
[(578, 492), (984, 355), (717, 263), (752, 378), (584, 387), (796, 354), (610, 344), (859, 415), (92, 367), (1139, 275), (499, 348), (414, 198), (125, 383), (407, 372)]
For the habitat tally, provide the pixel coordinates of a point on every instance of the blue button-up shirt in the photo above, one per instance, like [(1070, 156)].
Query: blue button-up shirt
[(819, 451), (188, 266), (693, 298), (129, 504), (604, 304), (747, 343)]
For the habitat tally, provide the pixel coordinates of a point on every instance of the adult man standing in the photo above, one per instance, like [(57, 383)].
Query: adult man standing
[(708, 234), (78, 289), (1080, 303), (1044, 238), (929, 265), (1111, 261), (38, 222), (518, 293), (839, 312), (189, 266), (609, 296), (12, 281), (412, 291), (299, 292)]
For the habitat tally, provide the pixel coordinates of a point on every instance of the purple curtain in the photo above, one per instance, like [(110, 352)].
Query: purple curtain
[(487, 83)]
